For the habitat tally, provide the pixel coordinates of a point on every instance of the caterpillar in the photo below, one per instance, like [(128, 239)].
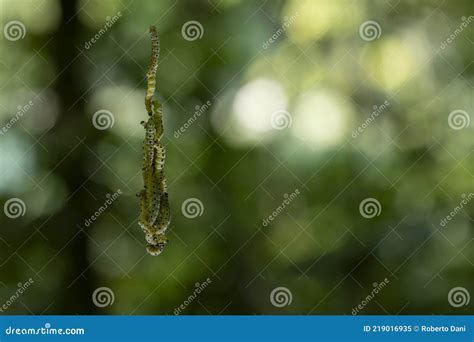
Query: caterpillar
[(151, 72), (155, 212)]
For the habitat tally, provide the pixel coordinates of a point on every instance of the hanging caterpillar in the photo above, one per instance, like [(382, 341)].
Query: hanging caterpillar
[(155, 214)]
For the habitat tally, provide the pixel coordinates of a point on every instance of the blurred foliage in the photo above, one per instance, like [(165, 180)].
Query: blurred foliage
[(306, 58)]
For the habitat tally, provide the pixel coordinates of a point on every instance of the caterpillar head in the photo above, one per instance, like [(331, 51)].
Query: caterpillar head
[(157, 249), (152, 237)]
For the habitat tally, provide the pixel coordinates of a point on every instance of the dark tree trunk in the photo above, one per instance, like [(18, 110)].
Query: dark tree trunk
[(75, 296)]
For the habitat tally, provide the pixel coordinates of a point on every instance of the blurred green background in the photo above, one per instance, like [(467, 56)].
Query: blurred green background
[(339, 101)]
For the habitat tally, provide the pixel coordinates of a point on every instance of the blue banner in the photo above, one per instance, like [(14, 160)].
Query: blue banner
[(237, 328)]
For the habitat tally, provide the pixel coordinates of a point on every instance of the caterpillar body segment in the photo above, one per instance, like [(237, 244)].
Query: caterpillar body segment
[(165, 214)]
